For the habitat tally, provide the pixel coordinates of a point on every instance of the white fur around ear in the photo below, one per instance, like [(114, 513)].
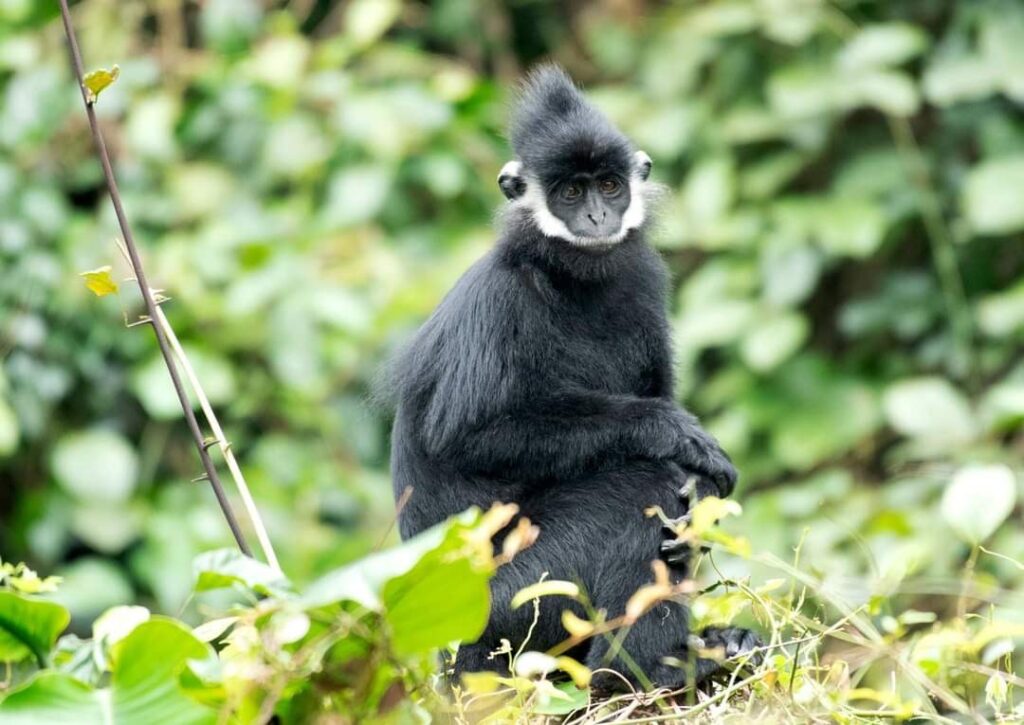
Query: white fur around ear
[(512, 168), (642, 163), (548, 223)]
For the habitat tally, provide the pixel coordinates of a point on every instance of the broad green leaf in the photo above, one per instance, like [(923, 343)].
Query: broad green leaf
[(959, 78), (143, 690), (551, 587), (978, 500), (930, 409), (99, 281), (118, 622), (97, 81), (367, 20), (10, 431), (91, 586), (224, 568), (364, 580), (29, 627), (1002, 313), (95, 465), (576, 698), (991, 196), (883, 44), (771, 342), (152, 385), (443, 598)]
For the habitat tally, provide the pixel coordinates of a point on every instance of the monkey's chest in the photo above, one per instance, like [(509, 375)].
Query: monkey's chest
[(613, 353)]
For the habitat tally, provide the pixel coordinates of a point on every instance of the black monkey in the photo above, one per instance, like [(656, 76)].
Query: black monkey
[(544, 378)]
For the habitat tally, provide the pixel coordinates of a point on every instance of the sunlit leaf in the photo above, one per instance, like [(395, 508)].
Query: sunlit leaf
[(991, 201), (97, 81), (29, 627), (230, 567), (99, 281), (978, 500), (143, 688), (931, 409), (551, 587)]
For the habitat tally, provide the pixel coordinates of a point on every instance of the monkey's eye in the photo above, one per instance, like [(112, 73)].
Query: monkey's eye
[(572, 191), (609, 186)]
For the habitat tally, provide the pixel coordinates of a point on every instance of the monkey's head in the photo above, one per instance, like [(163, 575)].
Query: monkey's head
[(577, 175)]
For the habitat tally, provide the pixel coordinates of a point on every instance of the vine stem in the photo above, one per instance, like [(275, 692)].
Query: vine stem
[(222, 442), (152, 308)]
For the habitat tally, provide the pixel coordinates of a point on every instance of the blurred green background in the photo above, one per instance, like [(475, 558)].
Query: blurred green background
[(307, 178)]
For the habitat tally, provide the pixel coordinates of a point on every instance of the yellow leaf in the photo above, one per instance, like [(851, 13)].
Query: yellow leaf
[(522, 536), (545, 589), (99, 281), (575, 626), (649, 595), (709, 511), (579, 673), (96, 81), (481, 683)]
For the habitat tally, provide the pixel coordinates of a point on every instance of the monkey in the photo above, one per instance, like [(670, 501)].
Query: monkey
[(544, 378)]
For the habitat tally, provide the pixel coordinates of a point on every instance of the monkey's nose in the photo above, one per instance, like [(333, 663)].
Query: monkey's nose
[(593, 219)]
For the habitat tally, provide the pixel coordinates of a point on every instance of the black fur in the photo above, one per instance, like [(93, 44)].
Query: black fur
[(544, 378), (554, 129)]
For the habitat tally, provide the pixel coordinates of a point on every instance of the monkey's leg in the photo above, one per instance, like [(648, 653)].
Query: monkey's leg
[(578, 522), (657, 649)]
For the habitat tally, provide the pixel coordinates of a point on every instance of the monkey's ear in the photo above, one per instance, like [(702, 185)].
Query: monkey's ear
[(511, 180), (643, 164)]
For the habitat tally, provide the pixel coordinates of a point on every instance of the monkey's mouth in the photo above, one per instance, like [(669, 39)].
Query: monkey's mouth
[(599, 243)]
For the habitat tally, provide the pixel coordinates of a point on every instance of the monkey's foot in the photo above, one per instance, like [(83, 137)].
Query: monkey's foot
[(739, 647)]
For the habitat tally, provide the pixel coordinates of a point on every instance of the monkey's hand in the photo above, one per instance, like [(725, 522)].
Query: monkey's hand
[(700, 454), (678, 552)]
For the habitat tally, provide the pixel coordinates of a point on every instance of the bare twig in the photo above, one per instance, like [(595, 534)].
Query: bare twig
[(152, 309), (221, 441)]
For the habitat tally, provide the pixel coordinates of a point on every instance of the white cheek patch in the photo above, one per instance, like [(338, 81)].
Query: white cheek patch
[(552, 226), (548, 223)]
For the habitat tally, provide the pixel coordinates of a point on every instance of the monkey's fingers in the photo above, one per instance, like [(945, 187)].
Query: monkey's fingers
[(676, 553)]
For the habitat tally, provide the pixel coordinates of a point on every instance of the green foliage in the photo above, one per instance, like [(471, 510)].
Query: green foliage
[(296, 654), (843, 224)]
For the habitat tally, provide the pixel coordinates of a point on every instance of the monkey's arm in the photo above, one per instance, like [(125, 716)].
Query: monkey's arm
[(568, 433)]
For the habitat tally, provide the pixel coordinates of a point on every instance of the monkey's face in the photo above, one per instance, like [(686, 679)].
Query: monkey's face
[(590, 205), (587, 206)]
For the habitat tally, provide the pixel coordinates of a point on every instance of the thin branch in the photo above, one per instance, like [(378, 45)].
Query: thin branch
[(152, 309), (221, 441)]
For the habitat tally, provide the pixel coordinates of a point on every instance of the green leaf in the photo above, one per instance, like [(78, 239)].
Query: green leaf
[(575, 698), (978, 500), (152, 385), (144, 686), (97, 81), (443, 598), (929, 409), (225, 568), (770, 343), (95, 465), (29, 627), (10, 431), (364, 580), (884, 44), (367, 20), (991, 196)]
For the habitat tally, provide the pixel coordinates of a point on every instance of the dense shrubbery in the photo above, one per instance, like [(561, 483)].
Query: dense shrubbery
[(844, 223)]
